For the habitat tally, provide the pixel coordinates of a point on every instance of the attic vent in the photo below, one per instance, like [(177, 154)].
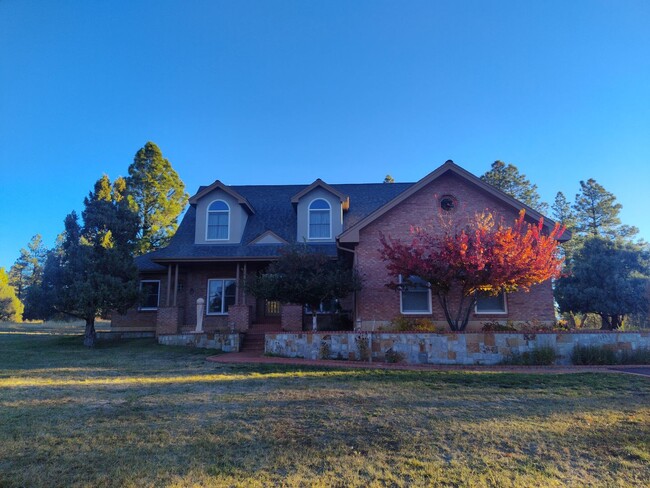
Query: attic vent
[(447, 203)]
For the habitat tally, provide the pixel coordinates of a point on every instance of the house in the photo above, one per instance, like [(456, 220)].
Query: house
[(231, 232)]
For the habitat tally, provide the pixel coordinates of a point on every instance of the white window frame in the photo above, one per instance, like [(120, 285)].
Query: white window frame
[(158, 299), (223, 301), (401, 303), (495, 312), (207, 219), (309, 211)]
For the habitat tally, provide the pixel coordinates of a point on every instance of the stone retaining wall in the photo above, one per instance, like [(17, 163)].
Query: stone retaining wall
[(125, 334), (451, 348), (220, 342)]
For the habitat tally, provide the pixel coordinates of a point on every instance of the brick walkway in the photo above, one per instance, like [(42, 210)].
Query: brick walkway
[(258, 358)]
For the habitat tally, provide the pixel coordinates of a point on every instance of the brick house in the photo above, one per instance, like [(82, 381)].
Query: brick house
[(231, 232)]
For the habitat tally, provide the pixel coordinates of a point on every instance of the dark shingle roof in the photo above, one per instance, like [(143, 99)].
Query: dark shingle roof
[(273, 211)]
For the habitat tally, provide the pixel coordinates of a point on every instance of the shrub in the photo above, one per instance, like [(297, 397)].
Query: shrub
[(600, 355), (411, 324), (587, 355), (540, 356), (496, 326), (363, 346), (393, 356), (325, 350)]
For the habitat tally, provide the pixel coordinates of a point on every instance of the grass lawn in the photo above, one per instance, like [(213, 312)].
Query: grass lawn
[(140, 414)]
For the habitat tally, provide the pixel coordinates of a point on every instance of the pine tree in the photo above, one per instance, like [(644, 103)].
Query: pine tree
[(509, 180), (28, 268), (389, 179), (596, 213), (561, 211), (157, 194), (93, 273)]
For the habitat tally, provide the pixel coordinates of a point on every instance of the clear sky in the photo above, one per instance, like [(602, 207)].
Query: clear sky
[(254, 92)]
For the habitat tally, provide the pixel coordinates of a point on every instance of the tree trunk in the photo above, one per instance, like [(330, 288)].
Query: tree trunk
[(462, 314), (90, 336), (606, 323)]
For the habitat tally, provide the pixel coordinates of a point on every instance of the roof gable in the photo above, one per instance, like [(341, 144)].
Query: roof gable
[(351, 235), (345, 199), (269, 237), (218, 185)]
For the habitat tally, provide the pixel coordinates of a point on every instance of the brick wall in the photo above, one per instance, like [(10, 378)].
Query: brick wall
[(291, 317), (168, 320), (377, 304)]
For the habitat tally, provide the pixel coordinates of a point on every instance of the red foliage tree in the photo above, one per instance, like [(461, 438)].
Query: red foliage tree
[(484, 257)]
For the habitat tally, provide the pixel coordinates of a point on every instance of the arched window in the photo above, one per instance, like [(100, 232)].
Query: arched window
[(320, 219), (218, 221)]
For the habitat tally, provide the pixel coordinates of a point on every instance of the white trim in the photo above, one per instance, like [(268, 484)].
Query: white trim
[(158, 299), (223, 290), (207, 219), (421, 312), (309, 211), (493, 312)]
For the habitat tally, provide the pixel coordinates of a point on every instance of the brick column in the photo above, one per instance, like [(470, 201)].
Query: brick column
[(291, 317), (167, 321), (240, 316)]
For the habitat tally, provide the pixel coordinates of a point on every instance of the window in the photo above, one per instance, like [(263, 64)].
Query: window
[(221, 294), (218, 221), (320, 219), (486, 303), (415, 296), (149, 294)]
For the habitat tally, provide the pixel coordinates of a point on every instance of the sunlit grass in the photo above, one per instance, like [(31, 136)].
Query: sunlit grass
[(139, 414)]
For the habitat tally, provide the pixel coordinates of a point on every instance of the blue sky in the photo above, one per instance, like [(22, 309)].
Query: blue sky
[(285, 92)]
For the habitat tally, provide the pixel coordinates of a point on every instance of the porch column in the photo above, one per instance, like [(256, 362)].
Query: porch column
[(245, 276), (175, 285), (237, 285), (169, 284)]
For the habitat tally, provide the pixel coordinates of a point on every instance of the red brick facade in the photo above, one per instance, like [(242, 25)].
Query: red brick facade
[(377, 304)]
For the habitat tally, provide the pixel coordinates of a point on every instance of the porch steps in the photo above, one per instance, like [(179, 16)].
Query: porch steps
[(254, 338)]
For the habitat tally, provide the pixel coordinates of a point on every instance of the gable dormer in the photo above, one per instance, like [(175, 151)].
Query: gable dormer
[(319, 209), (221, 215)]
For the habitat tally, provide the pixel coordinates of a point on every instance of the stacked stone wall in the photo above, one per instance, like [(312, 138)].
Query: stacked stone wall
[(453, 348)]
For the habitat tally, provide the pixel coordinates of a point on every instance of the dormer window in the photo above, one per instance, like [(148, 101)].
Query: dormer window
[(320, 219), (218, 221)]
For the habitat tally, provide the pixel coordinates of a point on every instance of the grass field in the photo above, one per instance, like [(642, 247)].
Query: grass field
[(139, 414)]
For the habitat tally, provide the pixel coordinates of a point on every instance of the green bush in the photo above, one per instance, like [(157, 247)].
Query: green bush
[(363, 345), (540, 356), (393, 356), (600, 355), (496, 326), (411, 324), (325, 350)]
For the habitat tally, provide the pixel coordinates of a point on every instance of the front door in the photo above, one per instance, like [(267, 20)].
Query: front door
[(268, 312)]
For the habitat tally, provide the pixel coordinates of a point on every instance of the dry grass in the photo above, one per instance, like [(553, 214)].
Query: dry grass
[(139, 414)]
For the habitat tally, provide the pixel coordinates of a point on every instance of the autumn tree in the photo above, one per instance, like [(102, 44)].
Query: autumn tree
[(486, 257), (305, 277), (508, 179), (157, 195), (93, 272), (11, 309), (608, 278)]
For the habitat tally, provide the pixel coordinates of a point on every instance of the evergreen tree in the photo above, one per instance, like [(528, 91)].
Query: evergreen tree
[(10, 307), (93, 273), (596, 213), (509, 180), (28, 268), (157, 194), (608, 278), (561, 211), (389, 179)]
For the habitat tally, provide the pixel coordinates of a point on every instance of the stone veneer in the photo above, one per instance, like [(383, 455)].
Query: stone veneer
[(451, 348), (220, 342)]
